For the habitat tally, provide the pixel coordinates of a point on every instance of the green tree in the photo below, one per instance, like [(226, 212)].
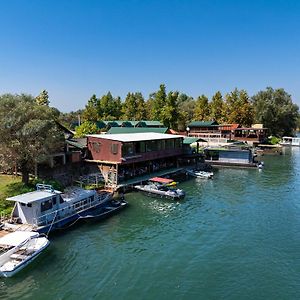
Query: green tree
[(238, 108), (90, 112), (85, 128), (134, 107), (217, 108), (186, 107), (28, 132), (202, 109), (129, 107), (70, 119), (276, 111), (140, 113), (43, 98), (109, 108), (158, 102), (169, 114)]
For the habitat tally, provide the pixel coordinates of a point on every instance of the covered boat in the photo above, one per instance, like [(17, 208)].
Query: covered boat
[(158, 186), (47, 209), (18, 249)]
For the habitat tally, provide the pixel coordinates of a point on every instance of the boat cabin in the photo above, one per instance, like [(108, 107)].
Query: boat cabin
[(43, 205), (290, 141)]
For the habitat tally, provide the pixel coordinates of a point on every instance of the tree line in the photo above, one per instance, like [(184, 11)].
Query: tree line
[(273, 108)]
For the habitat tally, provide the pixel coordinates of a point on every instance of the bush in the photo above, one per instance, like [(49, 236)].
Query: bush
[(273, 140)]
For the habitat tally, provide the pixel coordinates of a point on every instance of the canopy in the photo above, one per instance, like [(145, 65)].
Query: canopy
[(16, 238), (161, 180)]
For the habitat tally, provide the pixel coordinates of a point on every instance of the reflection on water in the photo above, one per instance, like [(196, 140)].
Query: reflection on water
[(233, 237)]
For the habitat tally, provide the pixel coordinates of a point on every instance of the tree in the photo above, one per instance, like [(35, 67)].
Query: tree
[(217, 108), (169, 114), (71, 119), (238, 108), (276, 111), (158, 102), (186, 107), (85, 128), (90, 112), (140, 113), (28, 132), (134, 107), (129, 107), (109, 108), (43, 98), (202, 109)]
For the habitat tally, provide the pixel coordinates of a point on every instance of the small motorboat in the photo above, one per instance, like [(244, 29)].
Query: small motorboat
[(160, 187), (19, 248), (200, 174)]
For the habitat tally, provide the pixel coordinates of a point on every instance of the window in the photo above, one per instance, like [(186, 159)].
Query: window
[(127, 149), (54, 200), (142, 147), (96, 146), (170, 144), (114, 148), (29, 204), (178, 144), (46, 205)]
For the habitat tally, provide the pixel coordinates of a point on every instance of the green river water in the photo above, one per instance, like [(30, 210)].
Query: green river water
[(234, 237)]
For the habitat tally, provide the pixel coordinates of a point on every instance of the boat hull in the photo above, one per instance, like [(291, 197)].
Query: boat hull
[(87, 214), (158, 194), (104, 212)]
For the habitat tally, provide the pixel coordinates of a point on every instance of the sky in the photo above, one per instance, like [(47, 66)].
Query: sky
[(76, 48)]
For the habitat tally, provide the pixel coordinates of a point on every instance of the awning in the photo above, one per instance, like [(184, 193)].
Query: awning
[(191, 140), (161, 180)]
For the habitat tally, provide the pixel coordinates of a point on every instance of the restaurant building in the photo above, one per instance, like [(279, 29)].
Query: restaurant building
[(120, 157)]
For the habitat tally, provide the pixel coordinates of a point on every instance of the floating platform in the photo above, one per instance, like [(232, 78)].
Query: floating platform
[(217, 164)]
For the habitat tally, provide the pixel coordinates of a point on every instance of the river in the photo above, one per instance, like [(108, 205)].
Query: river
[(234, 237)]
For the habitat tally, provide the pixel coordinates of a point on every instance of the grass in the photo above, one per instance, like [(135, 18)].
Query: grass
[(12, 186)]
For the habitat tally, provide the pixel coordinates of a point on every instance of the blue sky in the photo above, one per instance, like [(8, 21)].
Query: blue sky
[(76, 48)]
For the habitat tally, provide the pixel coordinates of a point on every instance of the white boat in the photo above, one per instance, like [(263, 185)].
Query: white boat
[(290, 141), (47, 209), (158, 186), (200, 174), (19, 248)]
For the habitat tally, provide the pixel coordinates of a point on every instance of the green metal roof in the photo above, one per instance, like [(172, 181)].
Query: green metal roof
[(202, 123), (124, 123), (117, 130), (191, 140)]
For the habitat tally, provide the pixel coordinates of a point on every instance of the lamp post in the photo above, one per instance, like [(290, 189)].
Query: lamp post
[(188, 130)]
